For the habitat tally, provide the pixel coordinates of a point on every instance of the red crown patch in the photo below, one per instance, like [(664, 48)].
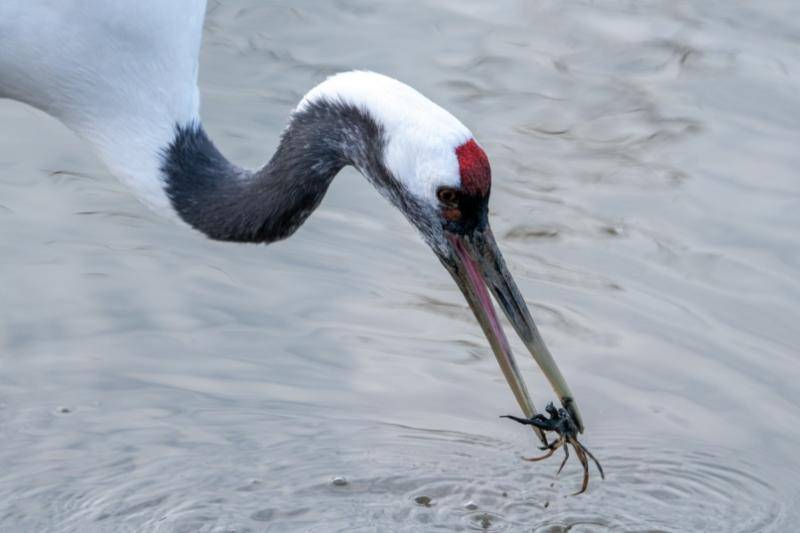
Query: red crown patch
[(476, 174)]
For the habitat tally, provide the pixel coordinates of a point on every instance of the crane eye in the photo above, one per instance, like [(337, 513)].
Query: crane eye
[(447, 196)]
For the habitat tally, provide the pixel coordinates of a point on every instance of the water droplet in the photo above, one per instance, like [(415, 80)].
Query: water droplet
[(470, 506), (339, 481), (64, 410), (614, 230), (424, 501)]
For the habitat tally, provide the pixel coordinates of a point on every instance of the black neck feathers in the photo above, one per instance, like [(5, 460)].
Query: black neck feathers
[(232, 204)]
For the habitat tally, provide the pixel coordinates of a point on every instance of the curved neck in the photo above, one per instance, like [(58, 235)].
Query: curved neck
[(232, 204)]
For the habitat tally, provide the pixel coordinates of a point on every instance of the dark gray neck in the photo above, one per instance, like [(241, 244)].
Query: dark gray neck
[(228, 203)]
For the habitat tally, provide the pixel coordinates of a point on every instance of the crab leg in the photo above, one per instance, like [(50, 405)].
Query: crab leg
[(596, 462), (550, 450), (564, 462), (584, 463)]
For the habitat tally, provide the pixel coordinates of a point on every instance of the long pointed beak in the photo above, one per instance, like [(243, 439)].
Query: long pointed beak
[(478, 264)]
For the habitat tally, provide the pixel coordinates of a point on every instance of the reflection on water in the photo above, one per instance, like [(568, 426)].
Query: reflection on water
[(646, 195)]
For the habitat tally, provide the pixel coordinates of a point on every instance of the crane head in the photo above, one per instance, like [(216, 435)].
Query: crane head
[(427, 163)]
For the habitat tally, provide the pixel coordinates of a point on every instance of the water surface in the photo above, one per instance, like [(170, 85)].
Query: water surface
[(646, 196)]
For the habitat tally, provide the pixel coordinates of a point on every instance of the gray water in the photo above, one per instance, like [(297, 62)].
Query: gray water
[(646, 197)]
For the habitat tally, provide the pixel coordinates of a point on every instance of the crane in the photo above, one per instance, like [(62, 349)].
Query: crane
[(122, 75)]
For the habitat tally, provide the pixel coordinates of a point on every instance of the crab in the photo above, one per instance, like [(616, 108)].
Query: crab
[(561, 423)]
